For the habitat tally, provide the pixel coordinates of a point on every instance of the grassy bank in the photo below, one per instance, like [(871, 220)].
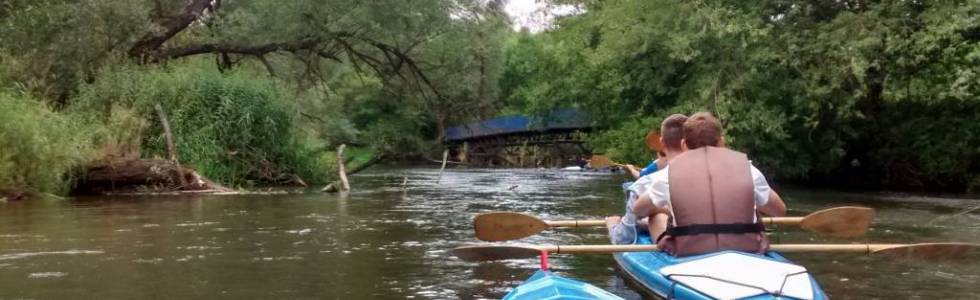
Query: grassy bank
[(39, 148), (234, 128)]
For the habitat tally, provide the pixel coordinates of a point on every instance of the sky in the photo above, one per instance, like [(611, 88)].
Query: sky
[(533, 15)]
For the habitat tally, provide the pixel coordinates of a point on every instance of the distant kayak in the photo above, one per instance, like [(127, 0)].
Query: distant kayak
[(720, 275), (586, 169), (546, 285)]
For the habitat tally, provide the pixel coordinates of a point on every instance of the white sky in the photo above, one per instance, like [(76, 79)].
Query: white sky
[(534, 15)]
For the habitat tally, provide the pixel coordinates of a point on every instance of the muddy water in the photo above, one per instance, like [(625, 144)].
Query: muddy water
[(388, 240)]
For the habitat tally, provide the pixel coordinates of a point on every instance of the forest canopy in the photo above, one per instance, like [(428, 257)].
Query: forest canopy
[(855, 93)]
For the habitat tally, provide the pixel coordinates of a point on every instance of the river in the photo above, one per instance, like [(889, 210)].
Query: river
[(388, 240)]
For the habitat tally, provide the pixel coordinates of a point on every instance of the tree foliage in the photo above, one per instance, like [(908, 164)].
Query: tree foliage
[(384, 74), (861, 93)]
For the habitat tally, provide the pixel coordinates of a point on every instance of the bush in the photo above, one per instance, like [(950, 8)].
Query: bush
[(233, 128), (39, 149)]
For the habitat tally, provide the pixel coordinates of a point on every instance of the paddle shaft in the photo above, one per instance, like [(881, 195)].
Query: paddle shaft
[(789, 248), (928, 251), (594, 223), (840, 222)]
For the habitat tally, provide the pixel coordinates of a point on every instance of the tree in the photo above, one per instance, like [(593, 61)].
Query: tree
[(844, 92)]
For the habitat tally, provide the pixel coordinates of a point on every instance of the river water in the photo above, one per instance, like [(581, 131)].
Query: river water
[(388, 240)]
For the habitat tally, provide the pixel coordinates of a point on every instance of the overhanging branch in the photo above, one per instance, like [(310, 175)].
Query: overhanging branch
[(168, 27), (193, 49)]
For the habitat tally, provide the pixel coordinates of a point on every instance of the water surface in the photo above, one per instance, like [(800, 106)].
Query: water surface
[(388, 240)]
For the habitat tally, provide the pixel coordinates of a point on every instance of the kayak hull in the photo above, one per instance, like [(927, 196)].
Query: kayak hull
[(546, 285), (645, 269)]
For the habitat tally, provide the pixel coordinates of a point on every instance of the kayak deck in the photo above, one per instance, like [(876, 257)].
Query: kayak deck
[(721, 275), (546, 285)]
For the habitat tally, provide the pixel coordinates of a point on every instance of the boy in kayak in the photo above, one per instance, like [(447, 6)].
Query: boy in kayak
[(672, 132), (714, 203), (654, 143)]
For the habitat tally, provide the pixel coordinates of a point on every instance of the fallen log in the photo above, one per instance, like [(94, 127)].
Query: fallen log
[(12, 194), (130, 175)]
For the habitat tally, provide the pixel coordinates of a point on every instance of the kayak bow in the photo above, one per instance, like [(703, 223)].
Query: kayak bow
[(547, 285), (720, 275)]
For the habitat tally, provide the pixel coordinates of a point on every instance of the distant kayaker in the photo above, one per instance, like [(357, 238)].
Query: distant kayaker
[(714, 203), (671, 134)]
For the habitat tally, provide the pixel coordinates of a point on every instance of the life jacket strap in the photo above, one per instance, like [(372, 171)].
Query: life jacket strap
[(734, 228)]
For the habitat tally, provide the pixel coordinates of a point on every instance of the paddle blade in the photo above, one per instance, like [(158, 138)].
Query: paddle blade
[(505, 226), (653, 142), (929, 251), (601, 161), (842, 222), (490, 252)]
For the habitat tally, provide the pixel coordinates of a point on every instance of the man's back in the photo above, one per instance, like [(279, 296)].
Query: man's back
[(712, 201)]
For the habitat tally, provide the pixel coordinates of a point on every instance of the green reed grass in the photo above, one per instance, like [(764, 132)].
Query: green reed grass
[(39, 149), (233, 128)]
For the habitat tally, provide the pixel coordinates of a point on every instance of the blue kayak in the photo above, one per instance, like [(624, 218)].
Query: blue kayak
[(720, 275), (545, 285)]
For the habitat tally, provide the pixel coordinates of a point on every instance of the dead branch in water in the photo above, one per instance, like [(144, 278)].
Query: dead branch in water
[(333, 186)]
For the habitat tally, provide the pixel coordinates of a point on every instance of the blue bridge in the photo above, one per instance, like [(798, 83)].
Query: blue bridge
[(521, 141)]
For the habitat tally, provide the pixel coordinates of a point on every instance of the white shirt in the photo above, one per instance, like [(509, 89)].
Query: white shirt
[(641, 184), (658, 189)]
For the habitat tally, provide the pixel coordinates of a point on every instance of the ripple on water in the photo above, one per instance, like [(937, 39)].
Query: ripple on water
[(276, 258), (199, 248), (152, 261), (47, 275), (199, 224), (31, 254), (303, 231)]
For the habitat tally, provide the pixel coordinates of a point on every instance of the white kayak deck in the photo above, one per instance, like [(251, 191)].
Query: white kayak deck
[(734, 275)]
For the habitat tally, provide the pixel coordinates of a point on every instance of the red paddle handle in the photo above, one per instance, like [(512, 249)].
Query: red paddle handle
[(544, 260)]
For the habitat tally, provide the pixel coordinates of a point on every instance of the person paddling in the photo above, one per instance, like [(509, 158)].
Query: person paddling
[(714, 202), (654, 165), (672, 132)]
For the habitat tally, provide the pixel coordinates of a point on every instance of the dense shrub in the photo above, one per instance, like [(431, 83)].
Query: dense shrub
[(39, 148), (234, 128)]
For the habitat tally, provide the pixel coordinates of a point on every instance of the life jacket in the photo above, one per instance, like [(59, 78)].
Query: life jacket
[(712, 204)]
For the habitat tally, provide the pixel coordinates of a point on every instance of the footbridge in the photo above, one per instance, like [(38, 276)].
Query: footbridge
[(521, 141)]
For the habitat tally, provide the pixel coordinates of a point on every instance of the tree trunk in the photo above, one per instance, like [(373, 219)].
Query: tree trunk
[(168, 28)]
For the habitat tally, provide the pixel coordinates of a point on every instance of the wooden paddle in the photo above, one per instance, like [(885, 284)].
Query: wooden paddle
[(653, 142), (602, 161), (845, 221), (928, 251)]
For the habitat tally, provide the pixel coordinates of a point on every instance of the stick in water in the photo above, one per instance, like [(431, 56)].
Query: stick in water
[(345, 185), (445, 157)]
